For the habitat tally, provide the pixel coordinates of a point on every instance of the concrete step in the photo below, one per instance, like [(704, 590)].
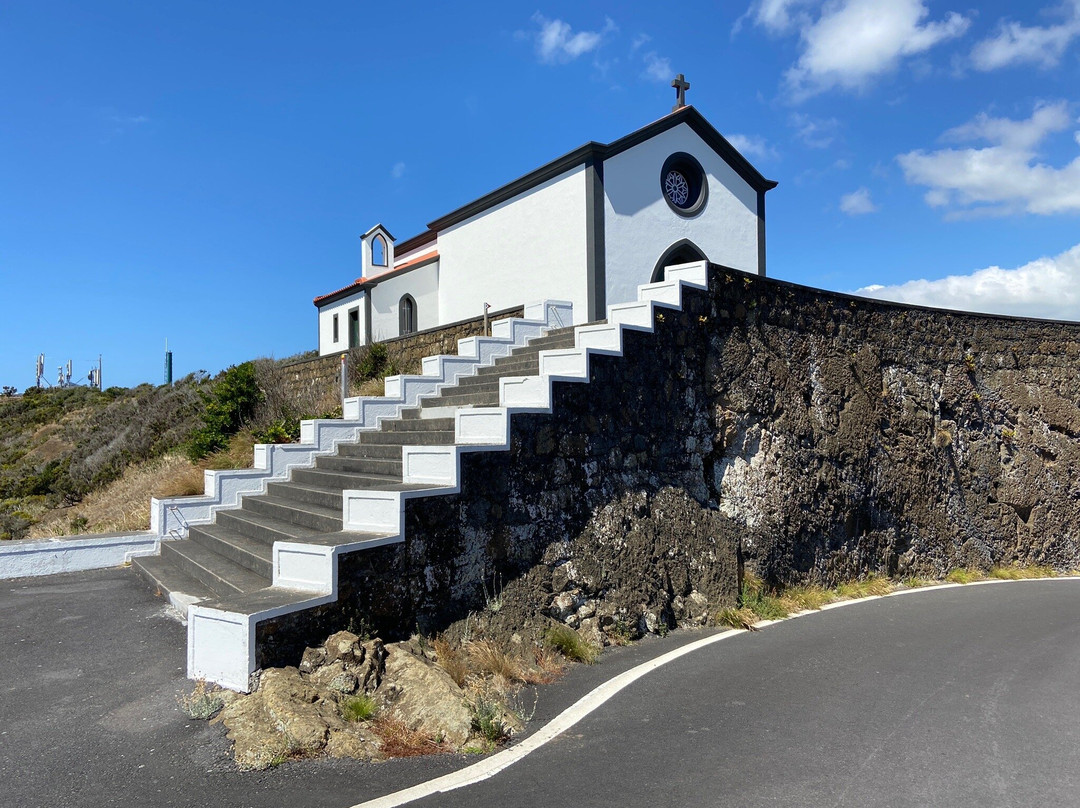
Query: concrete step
[(419, 437), (341, 480), (488, 397), (360, 465), (372, 450), (312, 494), (476, 383), (169, 580), (217, 573), (305, 515), (430, 425), (246, 551), (262, 528), (554, 338), (523, 366)]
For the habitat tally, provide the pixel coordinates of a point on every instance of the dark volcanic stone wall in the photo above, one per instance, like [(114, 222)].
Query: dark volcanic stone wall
[(815, 436)]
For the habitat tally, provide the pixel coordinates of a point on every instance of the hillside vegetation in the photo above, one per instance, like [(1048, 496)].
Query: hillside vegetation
[(79, 460)]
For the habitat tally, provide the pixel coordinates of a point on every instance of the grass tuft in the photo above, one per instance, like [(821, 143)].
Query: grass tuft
[(757, 598), (570, 644), (737, 618), (1016, 572), (359, 708), (397, 739), (870, 586), (203, 703), (487, 657), (451, 660), (963, 575), (487, 719)]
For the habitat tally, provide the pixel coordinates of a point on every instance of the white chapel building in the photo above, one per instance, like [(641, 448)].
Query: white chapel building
[(588, 228)]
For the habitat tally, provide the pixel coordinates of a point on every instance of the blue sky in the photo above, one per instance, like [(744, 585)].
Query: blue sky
[(198, 172)]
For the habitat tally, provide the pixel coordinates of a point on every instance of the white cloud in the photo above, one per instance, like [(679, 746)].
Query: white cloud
[(857, 203), (1047, 287), (657, 68), (751, 146), (778, 16), (852, 42), (817, 133), (398, 171), (1019, 44), (1004, 177), (114, 123), (557, 43)]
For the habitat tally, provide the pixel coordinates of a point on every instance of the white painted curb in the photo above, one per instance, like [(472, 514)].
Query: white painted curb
[(27, 558)]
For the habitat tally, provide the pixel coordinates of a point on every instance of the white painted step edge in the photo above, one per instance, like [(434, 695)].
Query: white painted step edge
[(221, 645), (223, 490)]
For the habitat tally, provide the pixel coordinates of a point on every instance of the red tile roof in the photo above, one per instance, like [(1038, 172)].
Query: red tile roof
[(362, 281)]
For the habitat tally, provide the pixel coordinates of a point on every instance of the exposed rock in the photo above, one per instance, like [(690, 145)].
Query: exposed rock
[(424, 697), (298, 713)]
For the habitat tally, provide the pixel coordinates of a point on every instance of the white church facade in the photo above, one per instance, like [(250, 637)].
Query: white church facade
[(587, 228)]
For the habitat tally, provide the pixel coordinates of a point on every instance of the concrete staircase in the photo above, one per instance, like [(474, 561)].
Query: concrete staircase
[(278, 554), (172, 518), (234, 555)]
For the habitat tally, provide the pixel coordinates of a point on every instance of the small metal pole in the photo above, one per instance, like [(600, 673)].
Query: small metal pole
[(344, 380), (486, 307)]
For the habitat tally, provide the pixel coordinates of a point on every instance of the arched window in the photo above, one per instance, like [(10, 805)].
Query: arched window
[(407, 315), (681, 252), (378, 251)]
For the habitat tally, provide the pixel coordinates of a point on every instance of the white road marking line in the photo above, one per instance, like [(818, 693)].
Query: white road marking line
[(491, 766)]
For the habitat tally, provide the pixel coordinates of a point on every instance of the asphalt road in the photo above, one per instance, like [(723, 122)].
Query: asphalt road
[(967, 696)]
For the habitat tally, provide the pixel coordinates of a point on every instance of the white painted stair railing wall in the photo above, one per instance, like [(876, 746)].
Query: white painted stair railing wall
[(221, 645), (170, 518)]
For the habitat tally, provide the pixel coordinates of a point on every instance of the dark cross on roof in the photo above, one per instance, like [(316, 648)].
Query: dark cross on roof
[(681, 85)]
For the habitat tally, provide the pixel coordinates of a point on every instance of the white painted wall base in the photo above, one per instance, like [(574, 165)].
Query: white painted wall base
[(30, 557)]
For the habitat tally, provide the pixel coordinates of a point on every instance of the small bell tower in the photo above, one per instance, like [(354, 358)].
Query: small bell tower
[(376, 252)]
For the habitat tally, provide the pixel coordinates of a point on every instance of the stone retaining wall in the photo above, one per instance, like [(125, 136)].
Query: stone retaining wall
[(406, 353), (814, 436)]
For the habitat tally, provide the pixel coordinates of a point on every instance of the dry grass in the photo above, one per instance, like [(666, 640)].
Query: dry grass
[(570, 644), (870, 586), (452, 660), (741, 618), (965, 576), (124, 504), (487, 661), (398, 740), (806, 598), (239, 454), (549, 664), (1016, 572), (369, 387)]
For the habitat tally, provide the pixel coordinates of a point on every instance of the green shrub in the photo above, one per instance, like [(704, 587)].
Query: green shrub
[(487, 720), (283, 430), (369, 362), (229, 405)]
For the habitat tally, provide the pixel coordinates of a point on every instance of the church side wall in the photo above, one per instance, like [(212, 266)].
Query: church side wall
[(326, 323), (422, 284), (526, 249), (639, 225)]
